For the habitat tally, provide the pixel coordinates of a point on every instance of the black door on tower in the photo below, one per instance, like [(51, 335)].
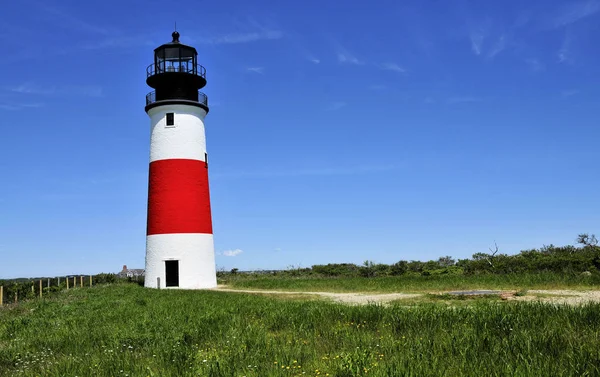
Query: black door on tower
[(172, 273)]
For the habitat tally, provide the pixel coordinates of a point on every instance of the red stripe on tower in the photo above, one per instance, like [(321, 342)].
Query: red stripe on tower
[(178, 197)]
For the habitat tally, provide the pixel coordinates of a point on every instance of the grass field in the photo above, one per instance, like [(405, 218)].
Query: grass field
[(413, 283), (126, 330)]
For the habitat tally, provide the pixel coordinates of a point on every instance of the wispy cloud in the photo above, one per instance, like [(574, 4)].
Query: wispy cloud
[(80, 90), (29, 88), (233, 38), (392, 67), (465, 99), (232, 253), (564, 53), (574, 12), (346, 57), (535, 65), (349, 170), (570, 92), (259, 70), (499, 46), (488, 40), (343, 55), (245, 30), (336, 105), (12, 106), (477, 38), (65, 19), (306, 53), (86, 90), (118, 42)]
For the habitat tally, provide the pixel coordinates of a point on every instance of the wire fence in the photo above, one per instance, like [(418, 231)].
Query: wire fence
[(18, 290)]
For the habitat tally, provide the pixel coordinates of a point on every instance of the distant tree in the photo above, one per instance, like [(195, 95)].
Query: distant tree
[(298, 270), (587, 240), (446, 261), (415, 266), (234, 271), (430, 265), (367, 270), (399, 268), (548, 249), (489, 258), (336, 269), (480, 256), (381, 269)]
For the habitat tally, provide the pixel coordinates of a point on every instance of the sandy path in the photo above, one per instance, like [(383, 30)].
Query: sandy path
[(347, 298), (551, 296), (561, 296)]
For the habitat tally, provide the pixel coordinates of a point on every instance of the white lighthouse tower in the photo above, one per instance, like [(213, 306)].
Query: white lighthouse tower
[(179, 242)]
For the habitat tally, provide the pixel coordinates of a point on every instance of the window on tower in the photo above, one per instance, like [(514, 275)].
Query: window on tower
[(170, 119)]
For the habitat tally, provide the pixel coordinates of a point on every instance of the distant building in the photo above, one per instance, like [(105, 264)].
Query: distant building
[(131, 272)]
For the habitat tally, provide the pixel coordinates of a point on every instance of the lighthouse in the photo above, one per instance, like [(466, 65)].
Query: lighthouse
[(179, 240)]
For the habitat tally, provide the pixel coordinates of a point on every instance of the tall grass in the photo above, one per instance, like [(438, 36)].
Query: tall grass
[(131, 331), (413, 283)]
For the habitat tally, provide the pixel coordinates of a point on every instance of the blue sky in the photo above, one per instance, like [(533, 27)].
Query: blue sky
[(338, 131)]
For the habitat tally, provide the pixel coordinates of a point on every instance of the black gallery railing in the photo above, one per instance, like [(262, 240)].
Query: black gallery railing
[(181, 66), (151, 98)]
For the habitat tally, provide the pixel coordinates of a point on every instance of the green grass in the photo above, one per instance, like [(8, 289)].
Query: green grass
[(468, 298), (412, 283), (448, 300), (127, 330)]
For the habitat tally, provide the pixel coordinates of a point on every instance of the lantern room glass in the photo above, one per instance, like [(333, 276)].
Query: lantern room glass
[(175, 58)]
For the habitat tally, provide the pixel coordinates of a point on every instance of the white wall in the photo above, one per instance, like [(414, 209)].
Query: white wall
[(186, 139), (195, 253)]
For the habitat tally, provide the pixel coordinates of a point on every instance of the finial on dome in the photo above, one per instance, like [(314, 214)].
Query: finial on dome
[(175, 37)]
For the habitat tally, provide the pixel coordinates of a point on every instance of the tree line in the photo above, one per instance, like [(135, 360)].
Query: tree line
[(584, 258)]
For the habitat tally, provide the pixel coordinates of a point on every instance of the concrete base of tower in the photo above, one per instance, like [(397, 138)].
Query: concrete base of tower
[(180, 260)]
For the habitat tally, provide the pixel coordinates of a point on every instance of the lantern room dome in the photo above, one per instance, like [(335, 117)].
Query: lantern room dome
[(171, 49), (175, 58), (176, 75)]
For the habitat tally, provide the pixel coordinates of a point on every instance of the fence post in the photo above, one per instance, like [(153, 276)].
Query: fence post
[(48, 285), (67, 279), (1, 295), (158, 282), (40, 288), (16, 296), (32, 287), (90, 280), (81, 281), (58, 282), (74, 281)]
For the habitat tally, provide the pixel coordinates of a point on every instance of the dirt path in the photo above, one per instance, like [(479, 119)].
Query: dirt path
[(347, 298), (560, 296), (550, 296)]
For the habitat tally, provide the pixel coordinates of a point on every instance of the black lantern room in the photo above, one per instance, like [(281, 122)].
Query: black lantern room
[(176, 76)]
